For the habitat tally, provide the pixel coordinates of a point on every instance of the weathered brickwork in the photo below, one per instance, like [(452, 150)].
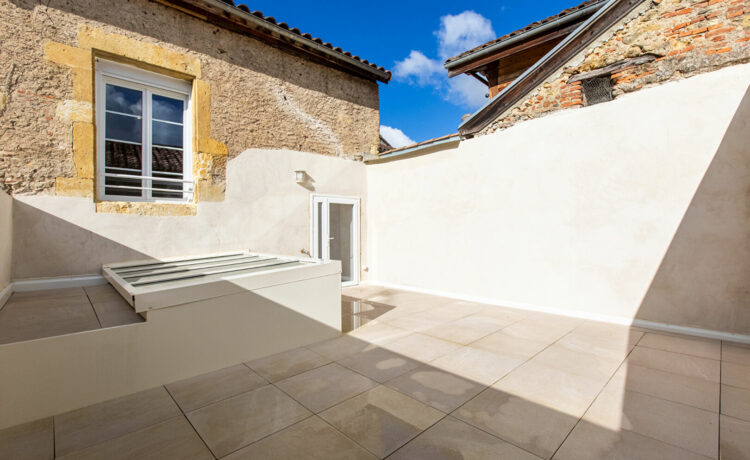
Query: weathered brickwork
[(687, 36), (247, 94)]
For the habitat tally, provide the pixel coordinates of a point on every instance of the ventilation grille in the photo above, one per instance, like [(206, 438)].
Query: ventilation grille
[(596, 90)]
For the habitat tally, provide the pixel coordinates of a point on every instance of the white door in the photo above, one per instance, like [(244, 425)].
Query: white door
[(335, 233)]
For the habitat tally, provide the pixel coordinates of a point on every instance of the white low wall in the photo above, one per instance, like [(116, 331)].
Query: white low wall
[(6, 245), (576, 211), (264, 211), (39, 378)]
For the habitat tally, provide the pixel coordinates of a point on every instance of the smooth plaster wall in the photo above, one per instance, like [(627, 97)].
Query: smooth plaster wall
[(576, 211), (265, 211), (6, 239)]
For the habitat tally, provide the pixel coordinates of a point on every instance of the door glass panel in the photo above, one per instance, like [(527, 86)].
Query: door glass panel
[(319, 219), (341, 222)]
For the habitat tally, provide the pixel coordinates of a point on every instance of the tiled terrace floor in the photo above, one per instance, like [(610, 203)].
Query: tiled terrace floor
[(433, 378), (38, 314)]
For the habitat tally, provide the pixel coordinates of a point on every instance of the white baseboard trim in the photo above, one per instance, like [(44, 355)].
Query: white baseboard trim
[(43, 284), (622, 320), (5, 295)]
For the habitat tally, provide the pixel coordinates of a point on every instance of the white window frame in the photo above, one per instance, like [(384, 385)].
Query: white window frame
[(150, 83), (327, 200)]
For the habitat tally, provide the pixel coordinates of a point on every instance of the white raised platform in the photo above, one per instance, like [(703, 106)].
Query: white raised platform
[(245, 318)]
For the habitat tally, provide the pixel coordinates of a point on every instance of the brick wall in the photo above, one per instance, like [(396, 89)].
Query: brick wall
[(688, 36)]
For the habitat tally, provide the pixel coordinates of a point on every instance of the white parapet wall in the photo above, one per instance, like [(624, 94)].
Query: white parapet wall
[(635, 209), (43, 377), (6, 246)]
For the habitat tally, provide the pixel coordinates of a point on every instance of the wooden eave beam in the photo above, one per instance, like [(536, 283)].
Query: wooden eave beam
[(553, 35)]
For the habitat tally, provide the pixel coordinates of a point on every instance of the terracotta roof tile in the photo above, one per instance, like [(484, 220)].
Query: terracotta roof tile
[(284, 25)]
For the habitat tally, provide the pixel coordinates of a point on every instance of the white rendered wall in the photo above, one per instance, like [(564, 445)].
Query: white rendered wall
[(6, 241), (576, 211), (264, 211)]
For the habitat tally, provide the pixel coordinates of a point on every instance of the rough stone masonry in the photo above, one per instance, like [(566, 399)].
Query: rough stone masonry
[(687, 37)]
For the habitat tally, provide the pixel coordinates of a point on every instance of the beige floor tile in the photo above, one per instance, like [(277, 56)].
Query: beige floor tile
[(116, 312), (617, 346), (502, 343), (414, 323), (451, 439), (91, 425), (568, 393), (381, 420), (29, 441), (241, 420), (420, 347), (506, 314), (592, 442), (467, 329), (174, 439), (596, 329), (703, 348), (102, 292), (735, 353), (437, 388), (735, 439), (341, 347), (533, 427), (352, 322), (325, 386), (380, 364), (310, 439), (287, 364), (49, 293), (577, 362), (693, 429), (378, 332), (46, 317), (212, 387), (530, 329), (736, 375), (478, 365), (678, 388), (735, 402), (677, 363)]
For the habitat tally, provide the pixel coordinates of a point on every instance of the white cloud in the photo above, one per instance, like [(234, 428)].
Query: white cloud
[(395, 136), (457, 34), (464, 90), (418, 68), (462, 32)]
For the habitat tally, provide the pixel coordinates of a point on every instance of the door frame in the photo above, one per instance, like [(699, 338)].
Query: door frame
[(339, 199)]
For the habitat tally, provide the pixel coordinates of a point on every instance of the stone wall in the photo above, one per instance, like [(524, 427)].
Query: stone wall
[(256, 96), (687, 36)]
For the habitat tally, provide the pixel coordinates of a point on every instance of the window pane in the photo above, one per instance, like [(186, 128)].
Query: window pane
[(124, 100), (120, 155), (165, 108), (166, 134), (123, 128), (166, 160)]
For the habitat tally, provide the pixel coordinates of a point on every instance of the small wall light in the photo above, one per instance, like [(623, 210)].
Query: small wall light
[(300, 177)]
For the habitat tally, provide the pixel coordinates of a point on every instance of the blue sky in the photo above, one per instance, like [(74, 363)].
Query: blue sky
[(411, 38)]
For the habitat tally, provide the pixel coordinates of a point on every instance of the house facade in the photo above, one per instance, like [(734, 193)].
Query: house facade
[(85, 87)]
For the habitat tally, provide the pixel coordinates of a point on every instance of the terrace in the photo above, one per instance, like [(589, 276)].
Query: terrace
[(419, 376)]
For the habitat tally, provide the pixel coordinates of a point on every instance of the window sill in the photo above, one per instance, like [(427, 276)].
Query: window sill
[(147, 209)]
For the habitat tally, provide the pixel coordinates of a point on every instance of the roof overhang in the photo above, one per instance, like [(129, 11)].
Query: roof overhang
[(241, 20), (465, 63), (609, 14)]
